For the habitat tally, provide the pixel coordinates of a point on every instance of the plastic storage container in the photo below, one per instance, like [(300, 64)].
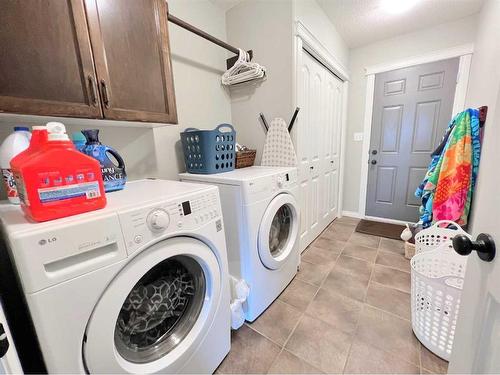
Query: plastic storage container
[(113, 175), (434, 236), (38, 138), (437, 278), (58, 180), (209, 151), (12, 146)]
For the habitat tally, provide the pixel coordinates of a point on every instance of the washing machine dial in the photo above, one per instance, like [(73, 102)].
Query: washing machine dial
[(279, 182), (158, 220)]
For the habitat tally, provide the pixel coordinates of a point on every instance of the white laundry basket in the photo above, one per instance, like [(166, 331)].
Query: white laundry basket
[(437, 278), (434, 236)]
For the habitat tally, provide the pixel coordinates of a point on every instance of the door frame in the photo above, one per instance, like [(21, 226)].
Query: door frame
[(464, 52), (304, 39)]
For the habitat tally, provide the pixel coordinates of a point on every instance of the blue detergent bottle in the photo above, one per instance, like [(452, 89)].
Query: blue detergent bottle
[(113, 175)]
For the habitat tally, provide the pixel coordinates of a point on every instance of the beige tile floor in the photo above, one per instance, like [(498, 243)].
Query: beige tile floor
[(346, 311)]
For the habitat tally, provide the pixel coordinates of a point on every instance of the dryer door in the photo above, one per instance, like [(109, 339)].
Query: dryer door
[(156, 311), (278, 231)]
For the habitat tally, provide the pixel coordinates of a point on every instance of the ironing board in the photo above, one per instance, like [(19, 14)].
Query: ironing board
[(278, 149)]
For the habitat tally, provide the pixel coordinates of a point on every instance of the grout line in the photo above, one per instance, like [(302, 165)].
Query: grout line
[(355, 332), (304, 312)]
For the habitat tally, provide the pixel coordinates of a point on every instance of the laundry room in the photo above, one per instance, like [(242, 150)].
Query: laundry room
[(249, 186)]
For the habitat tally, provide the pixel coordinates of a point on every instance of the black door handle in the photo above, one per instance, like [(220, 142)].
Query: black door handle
[(374, 152), (484, 245), (374, 162), (4, 342)]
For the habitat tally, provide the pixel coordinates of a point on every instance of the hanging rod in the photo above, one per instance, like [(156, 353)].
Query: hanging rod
[(229, 62)]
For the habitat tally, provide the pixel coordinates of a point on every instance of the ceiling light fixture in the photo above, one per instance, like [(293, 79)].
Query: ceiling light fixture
[(397, 6)]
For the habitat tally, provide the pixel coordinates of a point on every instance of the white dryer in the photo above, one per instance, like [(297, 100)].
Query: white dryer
[(140, 286), (261, 216)]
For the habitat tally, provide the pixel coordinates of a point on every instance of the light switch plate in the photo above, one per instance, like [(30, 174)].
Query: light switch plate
[(358, 137)]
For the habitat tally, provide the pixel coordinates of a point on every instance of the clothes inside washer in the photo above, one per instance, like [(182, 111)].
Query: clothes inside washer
[(280, 230), (153, 309)]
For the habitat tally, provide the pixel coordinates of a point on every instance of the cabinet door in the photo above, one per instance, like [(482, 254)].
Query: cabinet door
[(132, 57), (46, 63)]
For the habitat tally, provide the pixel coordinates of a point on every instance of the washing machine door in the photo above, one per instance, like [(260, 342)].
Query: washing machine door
[(278, 231), (156, 311)]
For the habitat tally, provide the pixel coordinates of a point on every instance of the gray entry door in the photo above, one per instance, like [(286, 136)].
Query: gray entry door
[(411, 110)]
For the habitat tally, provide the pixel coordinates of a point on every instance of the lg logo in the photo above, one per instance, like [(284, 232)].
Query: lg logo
[(46, 241)]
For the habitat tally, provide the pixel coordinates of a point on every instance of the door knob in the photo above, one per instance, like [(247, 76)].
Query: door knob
[(4, 343), (484, 245), (374, 152), (374, 162)]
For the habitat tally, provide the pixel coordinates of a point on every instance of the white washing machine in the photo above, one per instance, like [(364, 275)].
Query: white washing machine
[(261, 216), (140, 286)]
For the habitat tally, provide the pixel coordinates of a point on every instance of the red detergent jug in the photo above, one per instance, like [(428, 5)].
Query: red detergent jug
[(55, 180)]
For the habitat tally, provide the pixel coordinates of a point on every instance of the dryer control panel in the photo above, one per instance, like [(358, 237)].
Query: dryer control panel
[(262, 187), (144, 224)]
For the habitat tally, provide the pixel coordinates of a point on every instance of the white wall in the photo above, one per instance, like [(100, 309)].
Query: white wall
[(266, 28), (484, 89), (201, 101), (390, 50), (309, 13)]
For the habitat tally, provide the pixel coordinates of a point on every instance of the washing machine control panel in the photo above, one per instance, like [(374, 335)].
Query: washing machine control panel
[(284, 180), (144, 224)]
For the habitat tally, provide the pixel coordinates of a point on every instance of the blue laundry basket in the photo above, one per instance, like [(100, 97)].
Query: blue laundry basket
[(209, 151)]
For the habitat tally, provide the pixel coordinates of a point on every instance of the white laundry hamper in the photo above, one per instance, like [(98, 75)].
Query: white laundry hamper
[(437, 278), (434, 236)]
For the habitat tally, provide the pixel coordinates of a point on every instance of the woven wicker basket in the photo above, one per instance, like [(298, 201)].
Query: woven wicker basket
[(245, 158)]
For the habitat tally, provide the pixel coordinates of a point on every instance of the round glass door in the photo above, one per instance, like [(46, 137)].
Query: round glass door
[(156, 310), (160, 310), (278, 231)]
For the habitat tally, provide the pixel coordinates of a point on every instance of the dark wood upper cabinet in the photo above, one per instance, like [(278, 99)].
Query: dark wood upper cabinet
[(132, 58), (87, 58), (46, 65)]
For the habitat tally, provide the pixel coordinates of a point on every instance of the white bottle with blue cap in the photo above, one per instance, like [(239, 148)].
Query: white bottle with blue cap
[(11, 146)]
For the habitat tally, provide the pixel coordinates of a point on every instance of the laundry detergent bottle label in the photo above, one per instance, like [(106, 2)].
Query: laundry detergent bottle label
[(113, 175)]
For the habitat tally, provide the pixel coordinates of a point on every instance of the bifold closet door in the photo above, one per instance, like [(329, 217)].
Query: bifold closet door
[(318, 146)]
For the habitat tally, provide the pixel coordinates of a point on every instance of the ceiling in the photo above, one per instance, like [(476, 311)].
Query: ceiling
[(361, 22)]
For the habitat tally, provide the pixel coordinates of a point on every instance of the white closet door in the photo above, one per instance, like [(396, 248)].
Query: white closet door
[(332, 124), (318, 146)]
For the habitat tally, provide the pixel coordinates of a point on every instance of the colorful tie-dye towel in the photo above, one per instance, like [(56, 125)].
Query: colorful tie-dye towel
[(451, 179)]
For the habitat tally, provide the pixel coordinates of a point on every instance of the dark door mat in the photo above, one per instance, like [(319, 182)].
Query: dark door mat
[(376, 228)]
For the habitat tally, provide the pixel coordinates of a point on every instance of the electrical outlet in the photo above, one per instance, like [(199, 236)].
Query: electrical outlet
[(358, 137)]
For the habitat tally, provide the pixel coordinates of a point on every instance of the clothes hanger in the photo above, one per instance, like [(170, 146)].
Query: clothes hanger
[(243, 71)]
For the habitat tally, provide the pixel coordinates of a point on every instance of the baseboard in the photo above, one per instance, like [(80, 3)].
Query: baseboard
[(385, 220), (357, 215), (354, 214)]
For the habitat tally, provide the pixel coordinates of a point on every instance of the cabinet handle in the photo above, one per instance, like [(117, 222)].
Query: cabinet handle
[(92, 89), (104, 91)]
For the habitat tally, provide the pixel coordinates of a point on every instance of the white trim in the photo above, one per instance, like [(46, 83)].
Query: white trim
[(462, 83), (458, 104), (351, 214), (316, 48), (357, 215), (343, 142), (365, 153), (386, 220), (464, 49)]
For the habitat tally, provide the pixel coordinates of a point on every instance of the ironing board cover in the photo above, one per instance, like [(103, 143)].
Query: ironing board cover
[(278, 149)]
